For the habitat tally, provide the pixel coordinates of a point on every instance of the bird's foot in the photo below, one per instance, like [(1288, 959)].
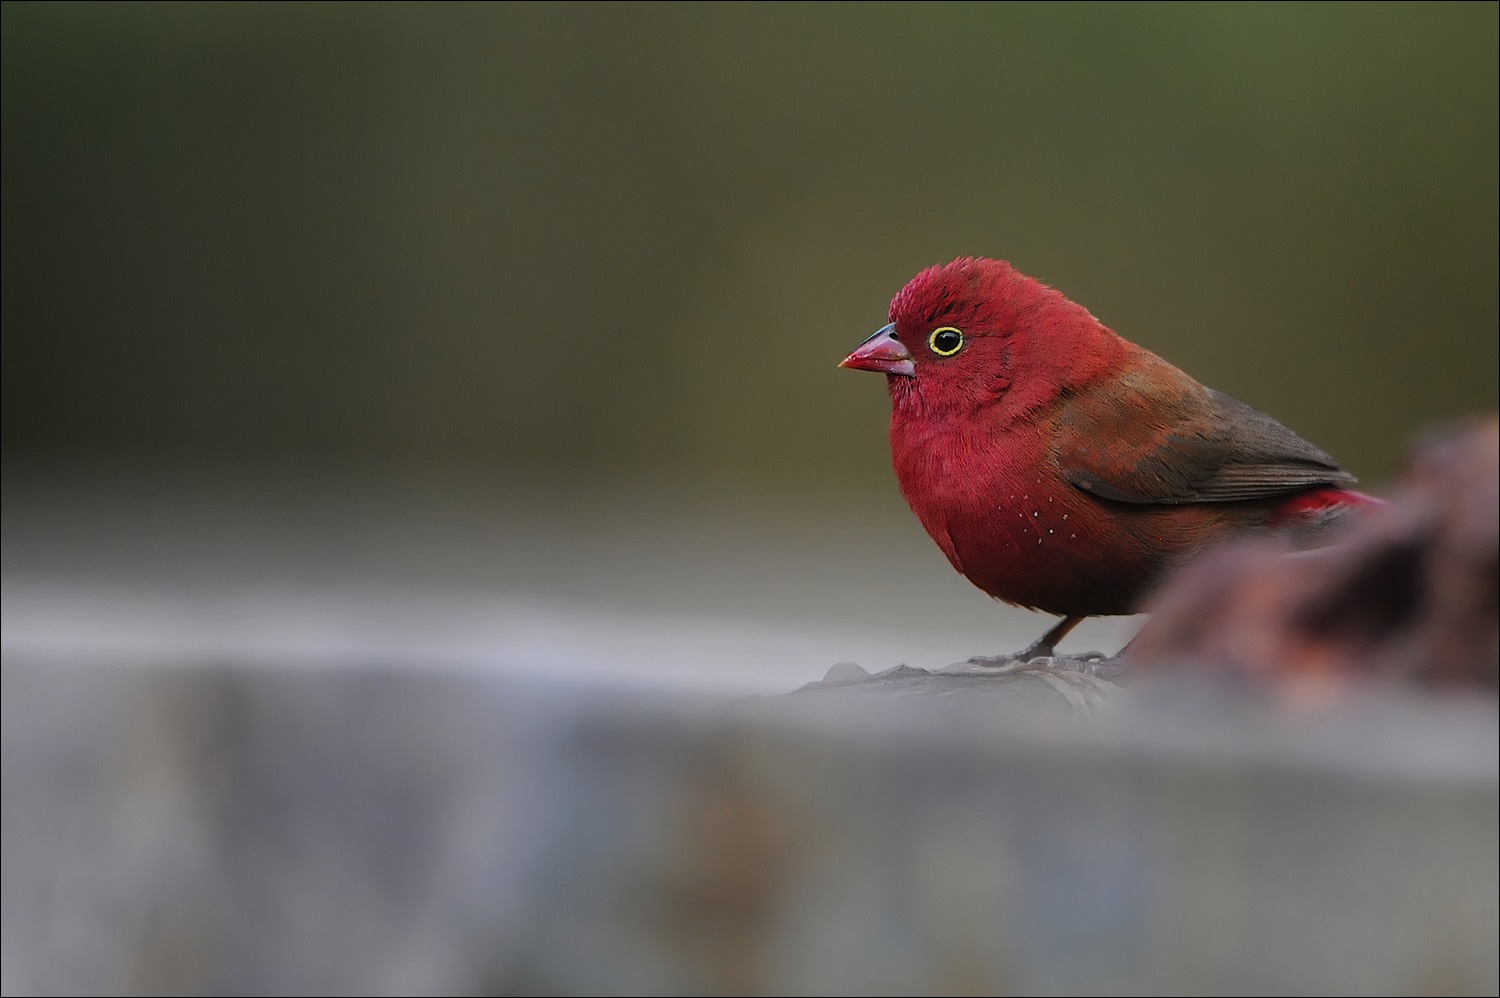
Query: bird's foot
[(1006, 662), (1093, 663), (1037, 653)]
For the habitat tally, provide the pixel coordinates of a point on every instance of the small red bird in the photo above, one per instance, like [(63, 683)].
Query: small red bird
[(1062, 468)]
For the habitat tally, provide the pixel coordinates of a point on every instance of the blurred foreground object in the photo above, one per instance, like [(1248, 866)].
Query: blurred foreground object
[(1411, 592), (324, 828)]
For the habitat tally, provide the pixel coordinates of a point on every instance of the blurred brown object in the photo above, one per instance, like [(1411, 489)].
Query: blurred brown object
[(1411, 592)]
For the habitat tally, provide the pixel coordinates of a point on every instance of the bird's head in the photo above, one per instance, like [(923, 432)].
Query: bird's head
[(966, 334)]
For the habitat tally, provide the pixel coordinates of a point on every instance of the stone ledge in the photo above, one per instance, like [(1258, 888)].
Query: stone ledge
[(243, 829)]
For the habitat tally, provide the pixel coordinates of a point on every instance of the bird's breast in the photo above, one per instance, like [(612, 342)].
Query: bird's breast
[(1000, 508)]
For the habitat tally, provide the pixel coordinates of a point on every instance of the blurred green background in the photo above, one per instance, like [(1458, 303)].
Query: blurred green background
[(613, 242)]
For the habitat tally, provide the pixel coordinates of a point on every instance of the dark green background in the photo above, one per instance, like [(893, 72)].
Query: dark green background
[(607, 243)]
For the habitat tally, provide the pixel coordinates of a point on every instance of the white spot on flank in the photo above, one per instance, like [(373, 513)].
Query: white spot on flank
[(1050, 530), (1072, 537)]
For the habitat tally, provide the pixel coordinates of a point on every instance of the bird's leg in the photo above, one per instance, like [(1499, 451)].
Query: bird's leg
[(1046, 645), (1043, 647)]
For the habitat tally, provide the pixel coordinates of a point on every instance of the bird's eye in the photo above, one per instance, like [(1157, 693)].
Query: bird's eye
[(946, 341)]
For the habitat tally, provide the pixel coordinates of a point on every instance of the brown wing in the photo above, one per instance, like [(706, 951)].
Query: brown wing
[(1157, 436)]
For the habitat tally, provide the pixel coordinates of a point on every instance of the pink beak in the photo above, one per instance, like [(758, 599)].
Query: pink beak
[(882, 352)]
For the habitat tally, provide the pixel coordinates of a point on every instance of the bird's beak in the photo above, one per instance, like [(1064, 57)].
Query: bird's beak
[(882, 352)]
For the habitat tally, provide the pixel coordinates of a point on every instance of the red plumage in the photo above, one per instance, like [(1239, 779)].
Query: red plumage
[(1063, 468)]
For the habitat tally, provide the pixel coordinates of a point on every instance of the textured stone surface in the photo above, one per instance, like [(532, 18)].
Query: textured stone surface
[(241, 828)]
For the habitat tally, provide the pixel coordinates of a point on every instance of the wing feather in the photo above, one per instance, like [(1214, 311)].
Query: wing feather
[(1139, 444)]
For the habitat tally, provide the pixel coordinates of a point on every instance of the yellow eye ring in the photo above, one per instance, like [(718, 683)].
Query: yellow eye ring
[(946, 341)]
